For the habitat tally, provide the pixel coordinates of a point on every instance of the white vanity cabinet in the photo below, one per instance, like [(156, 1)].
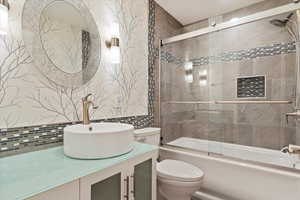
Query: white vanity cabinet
[(134, 179), (130, 176), (68, 191)]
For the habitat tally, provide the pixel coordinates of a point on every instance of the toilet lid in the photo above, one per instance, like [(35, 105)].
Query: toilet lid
[(179, 171)]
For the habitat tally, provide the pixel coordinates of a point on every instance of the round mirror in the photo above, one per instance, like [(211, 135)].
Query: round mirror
[(63, 40)]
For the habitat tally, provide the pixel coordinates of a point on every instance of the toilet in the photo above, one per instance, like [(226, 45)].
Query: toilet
[(177, 180)]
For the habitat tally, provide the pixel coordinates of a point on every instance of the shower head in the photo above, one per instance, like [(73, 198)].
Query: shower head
[(289, 24), (280, 22)]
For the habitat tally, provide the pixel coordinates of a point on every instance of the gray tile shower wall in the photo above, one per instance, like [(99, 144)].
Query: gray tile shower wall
[(248, 124), (249, 50), (165, 26), (25, 139)]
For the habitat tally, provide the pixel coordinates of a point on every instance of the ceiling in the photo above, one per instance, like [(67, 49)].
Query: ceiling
[(190, 11)]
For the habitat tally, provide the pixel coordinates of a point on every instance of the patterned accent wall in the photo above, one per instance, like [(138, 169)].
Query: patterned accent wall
[(15, 139)]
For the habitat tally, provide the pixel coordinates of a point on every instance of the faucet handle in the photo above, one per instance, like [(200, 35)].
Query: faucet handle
[(86, 97)]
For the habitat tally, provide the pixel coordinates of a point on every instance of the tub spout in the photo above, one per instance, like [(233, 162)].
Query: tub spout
[(293, 149), (285, 149)]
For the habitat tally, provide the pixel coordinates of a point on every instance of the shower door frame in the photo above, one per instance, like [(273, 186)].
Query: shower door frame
[(226, 25)]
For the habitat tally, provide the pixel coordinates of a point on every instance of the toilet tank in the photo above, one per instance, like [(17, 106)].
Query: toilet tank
[(148, 136)]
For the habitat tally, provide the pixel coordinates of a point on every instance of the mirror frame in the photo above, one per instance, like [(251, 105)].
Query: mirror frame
[(31, 15)]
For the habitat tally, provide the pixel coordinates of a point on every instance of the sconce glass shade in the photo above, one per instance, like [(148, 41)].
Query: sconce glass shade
[(115, 54), (115, 45), (203, 73), (115, 32), (189, 78), (3, 19), (188, 66), (203, 82)]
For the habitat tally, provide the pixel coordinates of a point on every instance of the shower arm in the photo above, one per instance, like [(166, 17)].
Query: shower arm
[(290, 30)]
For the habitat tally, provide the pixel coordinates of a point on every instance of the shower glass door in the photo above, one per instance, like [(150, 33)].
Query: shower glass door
[(231, 89), (185, 99)]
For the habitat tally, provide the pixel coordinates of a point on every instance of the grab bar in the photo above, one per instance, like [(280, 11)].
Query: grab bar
[(191, 102), (254, 102), (229, 102)]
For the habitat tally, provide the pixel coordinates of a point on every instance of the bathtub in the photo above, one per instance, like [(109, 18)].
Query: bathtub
[(241, 172)]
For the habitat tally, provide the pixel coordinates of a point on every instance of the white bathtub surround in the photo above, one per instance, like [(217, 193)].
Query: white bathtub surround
[(255, 154), (237, 179), (207, 195)]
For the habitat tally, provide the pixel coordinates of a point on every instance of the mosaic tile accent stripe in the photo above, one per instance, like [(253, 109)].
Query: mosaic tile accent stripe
[(151, 57), (272, 50), (25, 139)]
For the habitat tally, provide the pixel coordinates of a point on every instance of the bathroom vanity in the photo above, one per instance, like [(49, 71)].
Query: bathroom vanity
[(50, 175)]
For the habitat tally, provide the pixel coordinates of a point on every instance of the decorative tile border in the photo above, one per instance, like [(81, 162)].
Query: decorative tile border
[(151, 57), (25, 139), (272, 50)]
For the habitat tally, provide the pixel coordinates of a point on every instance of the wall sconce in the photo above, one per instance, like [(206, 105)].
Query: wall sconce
[(188, 67), (114, 44), (4, 7)]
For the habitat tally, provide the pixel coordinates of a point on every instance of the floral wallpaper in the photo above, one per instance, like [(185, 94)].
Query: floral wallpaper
[(28, 98)]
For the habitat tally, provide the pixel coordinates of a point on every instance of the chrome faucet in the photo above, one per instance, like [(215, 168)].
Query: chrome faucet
[(85, 109)]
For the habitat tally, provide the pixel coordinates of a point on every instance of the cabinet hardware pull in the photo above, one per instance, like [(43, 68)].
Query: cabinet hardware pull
[(133, 186), (126, 195)]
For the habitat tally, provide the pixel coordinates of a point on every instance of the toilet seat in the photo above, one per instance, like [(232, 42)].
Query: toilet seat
[(176, 170)]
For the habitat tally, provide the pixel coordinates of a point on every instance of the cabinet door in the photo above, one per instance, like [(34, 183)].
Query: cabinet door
[(142, 181), (108, 184), (109, 188), (143, 177)]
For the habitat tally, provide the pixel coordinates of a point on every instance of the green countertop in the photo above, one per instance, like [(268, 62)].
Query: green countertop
[(26, 175)]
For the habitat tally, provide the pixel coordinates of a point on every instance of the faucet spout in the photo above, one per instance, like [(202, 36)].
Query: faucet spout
[(86, 97), (85, 108)]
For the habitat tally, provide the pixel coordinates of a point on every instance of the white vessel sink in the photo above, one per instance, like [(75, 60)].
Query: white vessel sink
[(98, 140)]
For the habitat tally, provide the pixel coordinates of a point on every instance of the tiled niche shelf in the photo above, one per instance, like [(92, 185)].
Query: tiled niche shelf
[(251, 87)]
